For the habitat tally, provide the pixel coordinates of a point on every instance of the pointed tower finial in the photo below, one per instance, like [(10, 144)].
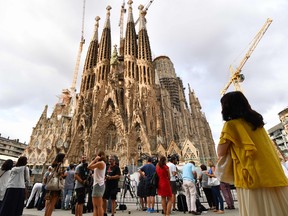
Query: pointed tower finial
[(107, 22), (95, 36), (142, 14), (130, 14)]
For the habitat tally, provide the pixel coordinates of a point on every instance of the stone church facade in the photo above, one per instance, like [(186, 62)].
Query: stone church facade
[(129, 105)]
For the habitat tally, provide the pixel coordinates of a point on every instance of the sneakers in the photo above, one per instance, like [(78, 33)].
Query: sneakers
[(195, 213), (150, 210), (219, 212)]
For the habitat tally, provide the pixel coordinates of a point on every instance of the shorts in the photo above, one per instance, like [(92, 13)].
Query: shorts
[(80, 195), (150, 190), (98, 190), (173, 187), (51, 194), (110, 193)]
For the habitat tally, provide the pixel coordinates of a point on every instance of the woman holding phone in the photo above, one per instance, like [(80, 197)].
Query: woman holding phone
[(99, 167)]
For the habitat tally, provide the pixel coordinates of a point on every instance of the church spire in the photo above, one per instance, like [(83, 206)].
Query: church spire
[(103, 65), (91, 58), (130, 48), (130, 37), (144, 50), (88, 77), (144, 57)]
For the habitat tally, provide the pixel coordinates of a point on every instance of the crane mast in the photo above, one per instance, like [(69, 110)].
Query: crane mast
[(236, 76), (76, 69)]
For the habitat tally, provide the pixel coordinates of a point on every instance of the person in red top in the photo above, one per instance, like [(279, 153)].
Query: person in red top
[(164, 188)]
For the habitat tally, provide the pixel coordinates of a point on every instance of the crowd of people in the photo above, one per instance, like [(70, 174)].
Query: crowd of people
[(96, 182), (243, 137)]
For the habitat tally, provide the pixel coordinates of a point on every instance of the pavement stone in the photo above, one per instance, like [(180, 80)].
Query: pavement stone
[(131, 209)]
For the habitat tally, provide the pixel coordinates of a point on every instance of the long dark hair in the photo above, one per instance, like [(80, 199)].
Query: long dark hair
[(235, 105), (7, 165), (58, 159), (22, 161), (162, 161)]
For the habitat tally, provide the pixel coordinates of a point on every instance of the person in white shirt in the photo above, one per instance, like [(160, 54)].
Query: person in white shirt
[(13, 202), (173, 172), (99, 167), (4, 177), (36, 191)]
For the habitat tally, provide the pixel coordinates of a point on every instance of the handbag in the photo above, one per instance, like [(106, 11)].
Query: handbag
[(213, 181), (224, 169), (55, 182)]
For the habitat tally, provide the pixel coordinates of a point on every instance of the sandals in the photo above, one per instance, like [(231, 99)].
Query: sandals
[(230, 208)]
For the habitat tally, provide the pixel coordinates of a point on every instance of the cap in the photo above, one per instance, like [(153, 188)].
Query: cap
[(50, 167)]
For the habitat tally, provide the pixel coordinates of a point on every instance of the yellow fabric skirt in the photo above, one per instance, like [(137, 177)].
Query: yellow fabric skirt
[(263, 201)]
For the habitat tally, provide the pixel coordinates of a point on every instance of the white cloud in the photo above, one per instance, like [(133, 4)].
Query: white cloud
[(39, 42)]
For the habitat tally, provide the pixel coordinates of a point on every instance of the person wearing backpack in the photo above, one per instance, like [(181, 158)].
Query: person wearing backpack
[(147, 172)]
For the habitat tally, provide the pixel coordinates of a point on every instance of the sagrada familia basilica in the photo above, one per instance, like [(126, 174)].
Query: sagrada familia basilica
[(129, 105)]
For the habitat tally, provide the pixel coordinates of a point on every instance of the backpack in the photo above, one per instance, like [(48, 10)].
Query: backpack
[(154, 180), (83, 172)]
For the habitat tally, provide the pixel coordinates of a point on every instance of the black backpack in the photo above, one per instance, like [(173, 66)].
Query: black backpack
[(154, 180), (83, 171)]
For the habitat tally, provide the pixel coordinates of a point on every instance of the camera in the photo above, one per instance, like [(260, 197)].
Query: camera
[(179, 183), (126, 170)]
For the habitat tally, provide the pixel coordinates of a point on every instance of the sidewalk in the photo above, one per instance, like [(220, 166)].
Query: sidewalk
[(131, 209)]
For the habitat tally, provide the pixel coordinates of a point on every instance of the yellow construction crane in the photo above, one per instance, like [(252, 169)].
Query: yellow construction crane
[(76, 69), (145, 10), (236, 76)]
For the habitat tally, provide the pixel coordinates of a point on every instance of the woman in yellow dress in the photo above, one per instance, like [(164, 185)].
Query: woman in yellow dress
[(261, 184)]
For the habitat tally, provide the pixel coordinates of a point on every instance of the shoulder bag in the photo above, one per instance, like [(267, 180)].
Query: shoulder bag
[(213, 181), (55, 181), (224, 169)]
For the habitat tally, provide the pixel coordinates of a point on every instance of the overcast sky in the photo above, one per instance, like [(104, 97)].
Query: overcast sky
[(39, 42)]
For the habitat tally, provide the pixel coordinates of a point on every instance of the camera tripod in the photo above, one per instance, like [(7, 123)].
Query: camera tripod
[(127, 187)]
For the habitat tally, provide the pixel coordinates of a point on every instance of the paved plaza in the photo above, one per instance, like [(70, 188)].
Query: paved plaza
[(132, 209)]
